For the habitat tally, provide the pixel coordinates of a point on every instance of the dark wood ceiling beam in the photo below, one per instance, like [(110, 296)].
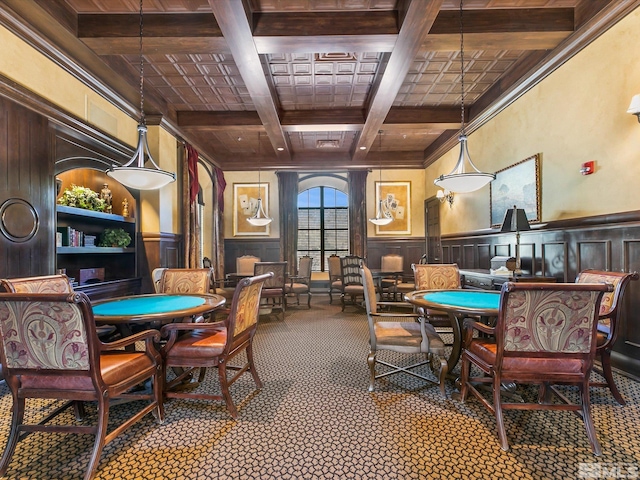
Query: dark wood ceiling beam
[(323, 161), (495, 41), (218, 120), (109, 25), (151, 45), (233, 22), (505, 20), (344, 119), (313, 24), (419, 18), (336, 120)]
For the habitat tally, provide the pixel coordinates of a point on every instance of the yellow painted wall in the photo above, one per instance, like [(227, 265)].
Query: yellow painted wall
[(161, 208), (266, 176), (576, 114), (416, 178), (23, 64)]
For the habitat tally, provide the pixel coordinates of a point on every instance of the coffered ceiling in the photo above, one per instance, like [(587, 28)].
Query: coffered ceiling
[(310, 84)]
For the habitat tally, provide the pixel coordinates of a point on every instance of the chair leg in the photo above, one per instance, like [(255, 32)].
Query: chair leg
[(605, 359), (309, 299), (252, 366), (103, 417), (444, 369), (158, 392), (17, 418), (371, 361), (343, 303), (78, 409), (497, 406), (224, 387), (588, 421), (464, 378)]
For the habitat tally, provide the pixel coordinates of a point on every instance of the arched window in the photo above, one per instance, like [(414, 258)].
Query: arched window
[(323, 224)]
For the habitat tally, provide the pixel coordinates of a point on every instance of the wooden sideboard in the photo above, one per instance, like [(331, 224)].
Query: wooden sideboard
[(481, 279)]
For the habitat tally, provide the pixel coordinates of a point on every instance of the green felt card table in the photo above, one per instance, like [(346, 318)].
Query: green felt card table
[(458, 304), (155, 309)]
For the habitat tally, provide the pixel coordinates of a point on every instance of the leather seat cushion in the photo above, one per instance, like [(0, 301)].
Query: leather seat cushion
[(486, 351), (198, 344), (354, 290), (297, 288), (407, 334), (116, 367), (272, 292), (398, 333)]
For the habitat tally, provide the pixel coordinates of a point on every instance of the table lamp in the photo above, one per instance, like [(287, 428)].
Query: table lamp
[(515, 220)]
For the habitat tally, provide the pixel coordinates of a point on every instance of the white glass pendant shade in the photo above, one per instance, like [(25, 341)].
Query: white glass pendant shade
[(461, 180), (134, 174), (260, 218), (382, 216)]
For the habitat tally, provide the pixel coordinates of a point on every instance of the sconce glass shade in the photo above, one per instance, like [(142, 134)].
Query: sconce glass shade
[(461, 181), (445, 195), (634, 107), (134, 174)]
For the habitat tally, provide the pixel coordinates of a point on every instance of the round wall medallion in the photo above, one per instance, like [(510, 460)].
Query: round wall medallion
[(18, 220)]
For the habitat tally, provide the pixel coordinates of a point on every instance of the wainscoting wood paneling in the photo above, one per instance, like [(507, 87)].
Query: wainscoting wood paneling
[(27, 193), (562, 249), (158, 250), (266, 249), (411, 249)]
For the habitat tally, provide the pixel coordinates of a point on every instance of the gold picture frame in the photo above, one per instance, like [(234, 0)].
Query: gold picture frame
[(396, 200), (518, 184), (245, 203)]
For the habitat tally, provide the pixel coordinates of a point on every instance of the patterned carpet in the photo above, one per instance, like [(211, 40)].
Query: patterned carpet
[(315, 419)]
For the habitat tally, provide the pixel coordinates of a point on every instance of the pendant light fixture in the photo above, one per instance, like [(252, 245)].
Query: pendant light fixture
[(383, 216), (134, 174), (260, 218), (461, 180)]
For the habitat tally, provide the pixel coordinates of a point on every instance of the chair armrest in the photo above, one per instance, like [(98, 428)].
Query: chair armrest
[(148, 336), (469, 325), (171, 330), (396, 315), (190, 326)]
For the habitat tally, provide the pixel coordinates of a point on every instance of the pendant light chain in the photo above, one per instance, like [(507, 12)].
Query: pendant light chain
[(462, 131), (259, 164), (142, 119)]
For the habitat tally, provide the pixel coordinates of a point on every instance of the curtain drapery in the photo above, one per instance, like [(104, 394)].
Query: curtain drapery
[(288, 205), (357, 180), (191, 222), (219, 184)]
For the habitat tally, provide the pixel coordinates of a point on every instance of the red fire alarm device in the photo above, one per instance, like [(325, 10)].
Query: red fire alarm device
[(588, 168)]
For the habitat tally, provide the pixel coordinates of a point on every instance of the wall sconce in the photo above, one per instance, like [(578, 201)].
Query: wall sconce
[(443, 195), (634, 108)]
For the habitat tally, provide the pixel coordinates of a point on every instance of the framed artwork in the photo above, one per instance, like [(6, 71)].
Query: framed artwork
[(396, 200), (245, 204), (517, 185)]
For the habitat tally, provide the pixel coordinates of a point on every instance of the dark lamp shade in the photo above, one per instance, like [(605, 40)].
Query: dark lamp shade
[(515, 220)]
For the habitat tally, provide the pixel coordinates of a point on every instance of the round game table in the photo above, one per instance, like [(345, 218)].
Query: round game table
[(458, 304)]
